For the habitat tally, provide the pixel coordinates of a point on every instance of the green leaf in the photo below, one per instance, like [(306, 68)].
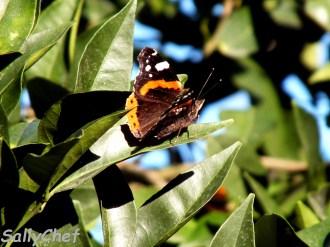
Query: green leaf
[(305, 217), (67, 235), (89, 205), (112, 147), (43, 94), (266, 202), (90, 133), (41, 167), (320, 201), (177, 202), (288, 205), (14, 28), (279, 135), (284, 12), (319, 11), (309, 136), (23, 133), (316, 235), (183, 78), (142, 193), (48, 124), (273, 231), (311, 58), (52, 65), (10, 96), (320, 75), (238, 229), (106, 62), (118, 209), (74, 31), (33, 48), (234, 37), (76, 110), (8, 170), (3, 125), (234, 182), (194, 233)]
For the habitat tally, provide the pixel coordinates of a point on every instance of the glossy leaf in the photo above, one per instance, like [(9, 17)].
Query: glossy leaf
[(112, 147), (90, 133), (238, 229), (14, 28), (177, 202), (107, 59)]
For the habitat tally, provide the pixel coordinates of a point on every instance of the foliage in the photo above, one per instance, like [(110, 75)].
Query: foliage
[(64, 166)]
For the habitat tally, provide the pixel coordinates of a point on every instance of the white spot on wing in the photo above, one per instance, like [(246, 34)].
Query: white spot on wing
[(147, 61), (150, 75), (148, 67), (154, 53), (162, 65)]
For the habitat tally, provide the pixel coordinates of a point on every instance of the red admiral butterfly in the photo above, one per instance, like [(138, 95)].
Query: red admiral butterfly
[(159, 105)]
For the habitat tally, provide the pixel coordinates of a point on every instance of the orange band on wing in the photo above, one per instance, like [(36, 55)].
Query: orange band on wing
[(176, 85), (133, 122)]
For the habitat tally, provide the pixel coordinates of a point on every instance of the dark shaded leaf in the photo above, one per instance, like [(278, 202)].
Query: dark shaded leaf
[(76, 110), (44, 94), (273, 230), (117, 207)]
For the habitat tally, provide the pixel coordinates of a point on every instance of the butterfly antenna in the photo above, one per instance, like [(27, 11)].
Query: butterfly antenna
[(205, 83), (211, 88)]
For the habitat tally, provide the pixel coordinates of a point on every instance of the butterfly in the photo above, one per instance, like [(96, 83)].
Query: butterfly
[(159, 104)]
